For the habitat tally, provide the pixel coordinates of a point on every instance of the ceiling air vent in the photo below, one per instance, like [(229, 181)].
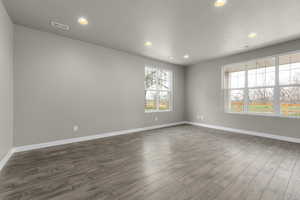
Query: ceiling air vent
[(59, 26)]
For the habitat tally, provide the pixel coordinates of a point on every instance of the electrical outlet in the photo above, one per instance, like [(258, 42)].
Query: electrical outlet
[(200, 117), (75, 128)]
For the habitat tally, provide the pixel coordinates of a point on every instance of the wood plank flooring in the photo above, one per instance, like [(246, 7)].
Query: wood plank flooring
[(178, 163)]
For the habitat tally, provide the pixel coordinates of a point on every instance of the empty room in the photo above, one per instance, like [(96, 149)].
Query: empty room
[(149, 100)]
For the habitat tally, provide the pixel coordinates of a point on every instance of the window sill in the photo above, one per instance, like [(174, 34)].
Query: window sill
[(264, 115), (157, 111)]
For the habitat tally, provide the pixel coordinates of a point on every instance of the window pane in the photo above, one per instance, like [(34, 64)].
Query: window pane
[(262, 73), (289, 69), (261, 100), (164, 101), (290, 101), (150, 78), (150, 100), (236, 98), (158, 85), (164, 80), (236, 79)]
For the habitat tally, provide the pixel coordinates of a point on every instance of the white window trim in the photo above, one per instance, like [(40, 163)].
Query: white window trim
[(170, 91), (276, 87)]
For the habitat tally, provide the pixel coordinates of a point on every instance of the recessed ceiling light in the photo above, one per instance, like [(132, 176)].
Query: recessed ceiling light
[(171, 58), (220, 3), (252, 35), (148, 44), (186, 56), (83, 21)]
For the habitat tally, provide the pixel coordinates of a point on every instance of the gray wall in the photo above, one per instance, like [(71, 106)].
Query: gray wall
[(60, 82), (6, 81), (204, 95)]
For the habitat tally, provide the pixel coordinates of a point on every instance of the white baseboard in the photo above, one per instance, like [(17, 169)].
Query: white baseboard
[(91, 137), (247, 132), (4, 160), (122, 132)]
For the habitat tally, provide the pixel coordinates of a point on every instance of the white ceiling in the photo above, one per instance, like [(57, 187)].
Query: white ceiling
[(175, 27)]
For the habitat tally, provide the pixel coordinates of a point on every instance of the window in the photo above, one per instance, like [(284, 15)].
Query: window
[(158, 89), (289, 84), (265, 86)]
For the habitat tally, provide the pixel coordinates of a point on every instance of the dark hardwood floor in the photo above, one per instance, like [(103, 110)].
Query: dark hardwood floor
[(177, 163)]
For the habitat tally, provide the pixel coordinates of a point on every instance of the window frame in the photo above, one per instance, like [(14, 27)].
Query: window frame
[(170, 91), (277, 87)]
